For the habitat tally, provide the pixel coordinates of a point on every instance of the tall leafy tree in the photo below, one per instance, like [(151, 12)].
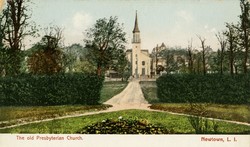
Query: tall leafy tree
[(121, 63), (103, 39), (244, 31), (16, 23), (171, 65), (232, 40), (2, 48), (74, 54), (48, 59)]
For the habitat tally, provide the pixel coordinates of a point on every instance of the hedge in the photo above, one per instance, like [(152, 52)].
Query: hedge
[(211, 88), (61, 89)]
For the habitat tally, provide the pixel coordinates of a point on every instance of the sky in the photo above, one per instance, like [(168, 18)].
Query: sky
[(173, 22)]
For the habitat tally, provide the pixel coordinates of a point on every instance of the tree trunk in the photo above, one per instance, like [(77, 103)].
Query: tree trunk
[(246, 57), (204, 62), (231, 62), (99, 71), (221, 63)]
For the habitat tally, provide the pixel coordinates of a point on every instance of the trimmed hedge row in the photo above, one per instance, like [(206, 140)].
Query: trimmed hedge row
[(61, 89), (212, 88)]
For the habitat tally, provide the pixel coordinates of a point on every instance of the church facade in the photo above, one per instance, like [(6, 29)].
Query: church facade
[(139, 58)]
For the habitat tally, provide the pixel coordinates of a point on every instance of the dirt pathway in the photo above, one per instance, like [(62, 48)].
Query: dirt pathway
[(130, 98)]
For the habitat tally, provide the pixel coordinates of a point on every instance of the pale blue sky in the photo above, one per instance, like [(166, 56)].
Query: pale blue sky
[(173, 22)]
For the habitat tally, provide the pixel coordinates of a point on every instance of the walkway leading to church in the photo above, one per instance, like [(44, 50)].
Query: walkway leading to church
[(130, 98)]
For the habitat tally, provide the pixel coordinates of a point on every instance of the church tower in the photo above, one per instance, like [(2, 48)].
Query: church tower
[(136, 49)]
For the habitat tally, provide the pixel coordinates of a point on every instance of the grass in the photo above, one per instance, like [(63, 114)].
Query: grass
[(149, 90), (15, 115), (228, 112), (111, 89), (177, 124)]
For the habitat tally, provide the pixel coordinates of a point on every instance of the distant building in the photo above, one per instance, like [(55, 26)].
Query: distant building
[(158, 62), (139, 59)]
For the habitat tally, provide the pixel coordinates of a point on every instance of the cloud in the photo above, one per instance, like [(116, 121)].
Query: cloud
[(185, 15), (81, 20), (213, 30), (210, 30), (76, 26)]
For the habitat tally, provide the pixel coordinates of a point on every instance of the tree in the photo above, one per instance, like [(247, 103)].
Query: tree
[(156, 56), (73, 54), (16, 26), (48, 59), (103, 39), (190, 57), (232, 45), (121, 63), (171, 65), (204, 52), (244, 30), (84, 66), (197, 62), (223, 42), (3, 51), (174, 60)]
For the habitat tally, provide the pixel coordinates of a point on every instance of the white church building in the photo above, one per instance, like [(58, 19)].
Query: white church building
[(139, 58)]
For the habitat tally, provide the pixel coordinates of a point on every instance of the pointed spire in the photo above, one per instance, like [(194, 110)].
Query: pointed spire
[(136, 28)]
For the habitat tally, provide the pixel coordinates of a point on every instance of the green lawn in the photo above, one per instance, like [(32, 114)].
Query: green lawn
[(229, 112), (111, 89), (177, 124), (14, 115), (149, 90)]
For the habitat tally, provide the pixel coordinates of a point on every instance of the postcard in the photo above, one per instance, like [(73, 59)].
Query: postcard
[(140, 73)]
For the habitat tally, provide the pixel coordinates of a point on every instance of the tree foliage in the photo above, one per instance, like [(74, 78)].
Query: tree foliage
[(48, 59), (120, 64), (15, 25), (221, 53), (244, 31), (232, 45), (103, 39)]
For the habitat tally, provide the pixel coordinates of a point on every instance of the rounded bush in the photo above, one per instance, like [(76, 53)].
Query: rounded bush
[(123, 126)]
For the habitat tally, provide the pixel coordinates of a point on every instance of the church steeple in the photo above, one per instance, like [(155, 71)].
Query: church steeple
[(136, 32), (136, 28)]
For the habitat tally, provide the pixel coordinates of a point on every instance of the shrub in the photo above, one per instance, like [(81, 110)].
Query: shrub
[(123, 126), (61, 89), (200, 124), (223, 89)]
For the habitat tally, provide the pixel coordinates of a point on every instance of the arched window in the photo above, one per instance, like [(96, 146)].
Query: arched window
[(143, 62)]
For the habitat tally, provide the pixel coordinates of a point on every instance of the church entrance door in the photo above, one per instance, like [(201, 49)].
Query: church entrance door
[(143, 72)]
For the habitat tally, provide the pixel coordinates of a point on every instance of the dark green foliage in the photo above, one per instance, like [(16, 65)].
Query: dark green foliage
[(104, 42), (212, 88), (62, 89), (123, 126)]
